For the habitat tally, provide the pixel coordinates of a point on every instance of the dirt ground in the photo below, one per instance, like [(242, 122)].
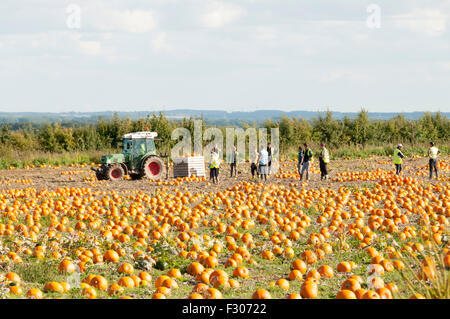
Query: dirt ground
[(52, 178)]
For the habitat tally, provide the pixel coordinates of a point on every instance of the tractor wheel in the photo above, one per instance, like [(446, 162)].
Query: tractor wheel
[(115, 173), (153, 168)]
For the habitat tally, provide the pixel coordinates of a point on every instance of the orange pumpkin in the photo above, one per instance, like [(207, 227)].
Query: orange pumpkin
[(346, 294), (351, 285), (67, 266), (241, 271), (53, 287), (300, 265), (370, 295), (126, 268), (283, 284), (145, 276), (326, 271), (99, 282), (195, 268), (212, 293), (89, 293), (261, 294), (344, 267), (111, 256), (126, 282), (34, 293), (115, 290), (384, 293), (174, 273), (309, 289), (295, 274)]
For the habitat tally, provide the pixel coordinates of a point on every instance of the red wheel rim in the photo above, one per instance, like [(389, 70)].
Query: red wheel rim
[(154, 168), (116, 173)]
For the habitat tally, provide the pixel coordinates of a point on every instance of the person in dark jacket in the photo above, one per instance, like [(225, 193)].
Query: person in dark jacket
[(234, 162), (306, 162), (269, 152), (299, 160), (254, 165)]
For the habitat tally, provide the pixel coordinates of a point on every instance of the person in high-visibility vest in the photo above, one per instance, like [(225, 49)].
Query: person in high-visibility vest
[(433, 153), (214, 166), (398, 159), (324, 159)]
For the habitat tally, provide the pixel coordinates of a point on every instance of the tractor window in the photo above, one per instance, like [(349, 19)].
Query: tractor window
[(150, 146), (127, 145), (139, 146)]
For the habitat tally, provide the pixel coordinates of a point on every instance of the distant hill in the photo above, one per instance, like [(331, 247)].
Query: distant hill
[(211, 117)]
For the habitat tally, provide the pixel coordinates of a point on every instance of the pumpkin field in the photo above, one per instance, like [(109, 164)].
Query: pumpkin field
[(363, 234)]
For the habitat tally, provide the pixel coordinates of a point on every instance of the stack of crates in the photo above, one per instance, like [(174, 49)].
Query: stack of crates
[(188, 166)]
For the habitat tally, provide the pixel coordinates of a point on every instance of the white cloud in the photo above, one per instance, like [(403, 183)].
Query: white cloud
[(285, 45), (361, 36), (136, 21), (332, 76), (445, 65), (265, 34), (428, 22), (342, 75), (220, 14), (90, 47), (159, 42)]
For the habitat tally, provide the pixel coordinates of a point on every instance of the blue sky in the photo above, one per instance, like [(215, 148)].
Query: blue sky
[(228, 55)]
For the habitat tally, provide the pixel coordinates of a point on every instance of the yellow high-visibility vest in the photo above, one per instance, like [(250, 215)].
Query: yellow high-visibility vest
[(397, 159), (326, 155), (215, 161)]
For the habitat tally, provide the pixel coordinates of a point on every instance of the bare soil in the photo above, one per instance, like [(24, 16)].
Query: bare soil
[(82, 176)]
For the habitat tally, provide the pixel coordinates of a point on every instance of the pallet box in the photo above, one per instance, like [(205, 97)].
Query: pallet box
[(188, 166)]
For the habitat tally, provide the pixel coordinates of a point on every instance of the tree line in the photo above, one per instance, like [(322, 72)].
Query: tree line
[(106, 134), (362, 132)]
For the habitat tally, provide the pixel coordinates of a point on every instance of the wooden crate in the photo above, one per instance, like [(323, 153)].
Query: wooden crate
[(188, 166)]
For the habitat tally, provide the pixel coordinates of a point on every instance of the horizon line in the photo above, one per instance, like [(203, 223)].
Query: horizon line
[(213, 110)]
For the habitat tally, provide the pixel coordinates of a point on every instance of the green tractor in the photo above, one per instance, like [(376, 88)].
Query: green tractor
[(138, 159)]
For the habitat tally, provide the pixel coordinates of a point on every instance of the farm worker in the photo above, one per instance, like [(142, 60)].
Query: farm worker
[(234, 162), (398, 156), (263, 162), (300, 156), (324, 159), (269, 154), (433, 153), (214, 166), (254, 164), (306, 162)]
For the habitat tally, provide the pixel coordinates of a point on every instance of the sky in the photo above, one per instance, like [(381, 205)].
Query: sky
[(234, 55)]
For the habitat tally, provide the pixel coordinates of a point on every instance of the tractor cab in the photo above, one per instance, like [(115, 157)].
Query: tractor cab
[(137, 145), (138, 159)]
